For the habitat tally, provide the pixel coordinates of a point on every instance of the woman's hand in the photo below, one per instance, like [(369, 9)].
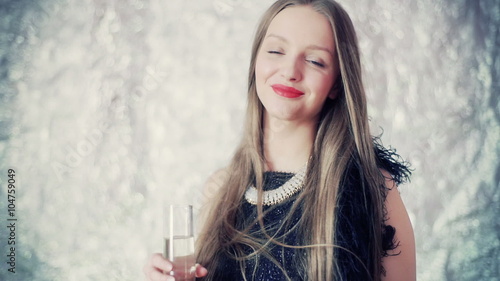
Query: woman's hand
[(157, 265)]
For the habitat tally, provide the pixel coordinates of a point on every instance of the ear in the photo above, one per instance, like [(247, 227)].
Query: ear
[(333, 94), (335, 89)]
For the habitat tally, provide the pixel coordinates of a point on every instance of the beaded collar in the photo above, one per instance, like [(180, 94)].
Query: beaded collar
[(280, 194)]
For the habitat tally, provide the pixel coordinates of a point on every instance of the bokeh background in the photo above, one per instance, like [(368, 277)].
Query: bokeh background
[(111, 108)]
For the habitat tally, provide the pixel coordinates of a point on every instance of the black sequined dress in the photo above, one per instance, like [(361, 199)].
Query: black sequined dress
[(351, 230)]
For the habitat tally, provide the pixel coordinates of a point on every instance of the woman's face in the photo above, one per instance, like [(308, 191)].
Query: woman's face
[(296, 65)]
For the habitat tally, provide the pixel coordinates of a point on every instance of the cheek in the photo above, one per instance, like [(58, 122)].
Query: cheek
[(323, 84), (263, 69), (260, 76)]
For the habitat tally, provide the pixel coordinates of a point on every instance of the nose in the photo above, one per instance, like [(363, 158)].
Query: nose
[(291, 70)]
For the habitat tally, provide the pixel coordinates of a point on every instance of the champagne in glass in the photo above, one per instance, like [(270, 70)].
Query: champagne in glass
[(179, 241)]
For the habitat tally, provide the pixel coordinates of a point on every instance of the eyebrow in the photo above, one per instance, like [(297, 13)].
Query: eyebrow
[(313, 47)]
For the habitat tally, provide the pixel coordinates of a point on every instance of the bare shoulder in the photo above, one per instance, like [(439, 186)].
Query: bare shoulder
[(212, 186), (401, 262), (214, 183)]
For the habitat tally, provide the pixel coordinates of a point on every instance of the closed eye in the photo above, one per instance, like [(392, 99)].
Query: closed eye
[(275, 52), (317, 63)]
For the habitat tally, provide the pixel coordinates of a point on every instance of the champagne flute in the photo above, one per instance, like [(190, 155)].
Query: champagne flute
[(179, 241)]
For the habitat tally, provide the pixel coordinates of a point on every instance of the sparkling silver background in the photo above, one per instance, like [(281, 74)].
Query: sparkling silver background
[(109, 109)]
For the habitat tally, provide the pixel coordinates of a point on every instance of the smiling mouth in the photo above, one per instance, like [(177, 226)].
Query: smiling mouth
[(287, 92)]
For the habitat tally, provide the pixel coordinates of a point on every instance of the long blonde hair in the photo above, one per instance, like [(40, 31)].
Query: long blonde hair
[(343, 133)]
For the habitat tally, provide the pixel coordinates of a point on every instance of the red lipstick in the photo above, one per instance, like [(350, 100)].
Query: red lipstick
[(287, 92)]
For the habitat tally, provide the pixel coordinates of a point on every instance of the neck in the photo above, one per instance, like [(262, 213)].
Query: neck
[(287, 144)]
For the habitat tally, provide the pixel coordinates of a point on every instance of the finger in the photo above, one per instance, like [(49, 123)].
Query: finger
[(161, 263), (158, 276), (153, 272), (200, 271)]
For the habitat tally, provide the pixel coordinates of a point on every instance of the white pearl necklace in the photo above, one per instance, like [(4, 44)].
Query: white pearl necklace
[(280, 194)]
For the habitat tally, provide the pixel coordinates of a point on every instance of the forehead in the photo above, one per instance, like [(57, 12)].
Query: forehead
[(302, 24)]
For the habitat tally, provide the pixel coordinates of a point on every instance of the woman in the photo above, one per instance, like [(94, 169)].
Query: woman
[(335, 212)]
